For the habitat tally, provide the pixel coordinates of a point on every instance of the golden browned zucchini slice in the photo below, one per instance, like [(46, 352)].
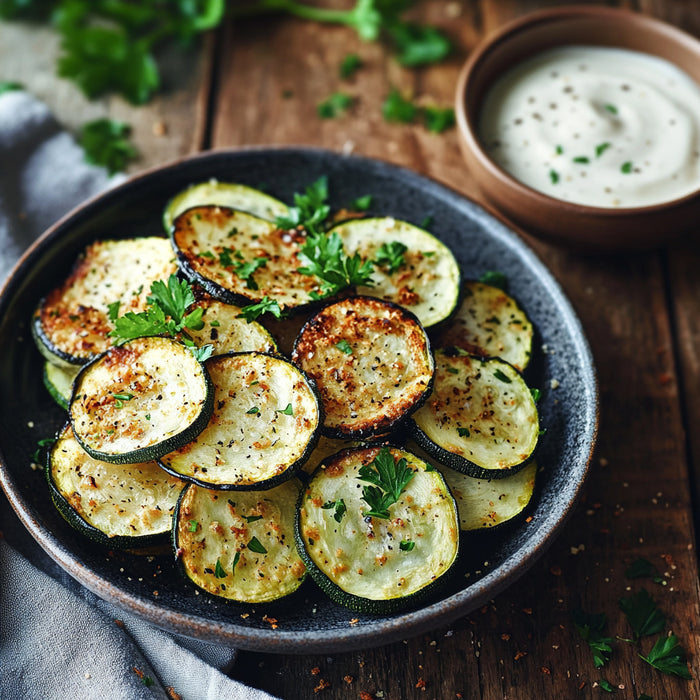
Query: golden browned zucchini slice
[(481, 418), (140, 400), (118, 505), (490, 323), (372, 363), (71, 324), (224, 194), (239, 258), (240, 545), (411, 267), (265, 423), (377, 560)]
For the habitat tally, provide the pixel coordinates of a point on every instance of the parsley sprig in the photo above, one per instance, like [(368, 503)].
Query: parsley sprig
[(591, 627), (106, 143), (389, 478), (391, 256), (310, 209), (642, 614), (668, 656)]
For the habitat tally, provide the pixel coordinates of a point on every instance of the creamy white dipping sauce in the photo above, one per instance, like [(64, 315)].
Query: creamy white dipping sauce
[(598, 126)]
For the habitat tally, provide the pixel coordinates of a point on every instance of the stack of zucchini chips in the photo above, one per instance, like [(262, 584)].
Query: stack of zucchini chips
[(287, 393)]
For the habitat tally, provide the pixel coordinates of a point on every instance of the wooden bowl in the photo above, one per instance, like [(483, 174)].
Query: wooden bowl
[(574, 225)]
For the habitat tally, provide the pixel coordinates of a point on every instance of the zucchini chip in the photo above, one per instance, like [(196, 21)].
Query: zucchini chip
[(240, 546), (481, 418), (490, 323), (59, 382), (369, 563), (226, 332), (372, 362), (224, 194), (71, 324), (118, 505), (239, 258), (140, 400), (411, 267), (264, 426)]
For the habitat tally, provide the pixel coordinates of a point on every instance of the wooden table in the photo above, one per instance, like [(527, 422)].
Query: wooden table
[(258, 82)]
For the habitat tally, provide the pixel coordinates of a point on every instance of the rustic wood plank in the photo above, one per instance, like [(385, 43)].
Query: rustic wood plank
[(172, 125), (637, 500)]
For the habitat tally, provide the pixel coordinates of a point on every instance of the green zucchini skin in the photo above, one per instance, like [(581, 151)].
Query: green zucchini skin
[(384, 372), (139, 366), (490, 323), (236, 451), (227, 522), (75, 482), (59, 382), (477, 396), (413, 516), (226, 194), (427, 283), (211, 241)]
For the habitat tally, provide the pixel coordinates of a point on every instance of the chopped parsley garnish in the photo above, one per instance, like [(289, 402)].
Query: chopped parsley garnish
[(120, 398), (349, 66), (214, 323), (495, 279), (391, 256), (463, 432), (236, 559), (591, 627), (165, 313), (344, 346), (643, 568), (438, 119), (453, 370), (559, 150), (582, 159), (536, 394), (554, 176), (252, 518), (626, 167), (288, 411), (113, 310), (193, 524), (427, 220), (310, 209), (601, 148), (668, 656), (339, 508), (219, 570), (607, 686), (253, 411), (44, 442), (9, 86), (334, 105), (362, 203), (106, 143), (201, 353), (389, 478), (245, 270), (207, 254), (501, 376), (643, 614), (323, 256), (406, 545), (265, 305), (611, 108), (396, 108), (255, 546)]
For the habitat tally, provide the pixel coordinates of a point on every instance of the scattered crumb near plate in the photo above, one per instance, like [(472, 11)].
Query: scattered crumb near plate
[(30, 424), (87, 675), (554, 383)]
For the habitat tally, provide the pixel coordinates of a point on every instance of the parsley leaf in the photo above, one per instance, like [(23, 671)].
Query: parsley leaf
[(607, 686), (389, 478), (9, 86), (591, 628), (334, 105), (323, 256), (106, 143), (310, 209), (265, 305), (339, 508), (256, 546), (245, 270), (288, 411), (349, 66), (219, 570), (418, 45), (406, 545), (501, 376), (391, 256), (643, 568), (668, 656), (495, 279), (361, 203), (642, 614), (344, 346), (438, 119), (396, 108)]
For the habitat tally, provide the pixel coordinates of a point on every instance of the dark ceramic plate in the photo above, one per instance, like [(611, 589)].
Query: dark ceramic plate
[(308, 622)]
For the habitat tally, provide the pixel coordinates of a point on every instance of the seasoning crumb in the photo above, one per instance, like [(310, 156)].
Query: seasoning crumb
[(421, 683), (603, 462), (519, 655), (505, 637), (527, 611), (546, 671), (119, 624), (354, 621), (315, 671), (554, 383), (322, 685), (87, 675), (348, 679), (244, 615), (364, 695), (30, 424), (173, 694), (159, 128)]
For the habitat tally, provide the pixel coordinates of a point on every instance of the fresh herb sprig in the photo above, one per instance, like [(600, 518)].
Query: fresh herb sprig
[(106, 143), (591, 627), (265, 305), (668, 656), (643, 614), (391, 256), (389, 478), (310, 209)]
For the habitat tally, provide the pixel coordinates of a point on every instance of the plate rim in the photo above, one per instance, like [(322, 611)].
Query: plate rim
[(401, 625)]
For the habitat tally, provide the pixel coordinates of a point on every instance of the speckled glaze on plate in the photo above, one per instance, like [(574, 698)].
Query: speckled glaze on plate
[(307, 622)]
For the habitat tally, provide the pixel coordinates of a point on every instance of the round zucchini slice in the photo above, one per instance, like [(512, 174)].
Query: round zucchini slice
[(411, 267), (265, 424), (239, 258), (226, 332), (118, 505), (372, 362), (490, 323), (140, 400), (71, 324), (59, 382), (369, 563), (481, 418), (240, 546), (224, 194)]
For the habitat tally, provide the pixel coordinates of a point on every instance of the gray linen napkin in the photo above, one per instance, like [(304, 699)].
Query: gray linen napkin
[(58, 641)]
